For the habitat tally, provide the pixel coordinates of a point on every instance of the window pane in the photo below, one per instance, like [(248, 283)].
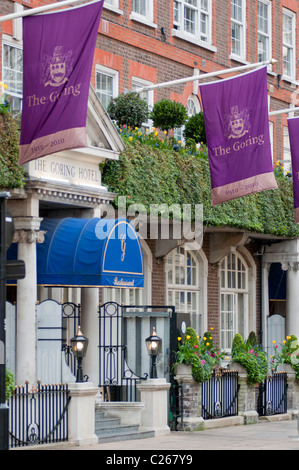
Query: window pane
[(189, 20), (236, 10), (139, 6), (104, 88)]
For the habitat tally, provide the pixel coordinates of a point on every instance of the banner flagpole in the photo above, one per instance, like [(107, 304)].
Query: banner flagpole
[(35, 11), (204, 76), (283, 111)]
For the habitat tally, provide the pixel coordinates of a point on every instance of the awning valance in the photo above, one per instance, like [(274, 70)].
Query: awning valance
[(90, 252)]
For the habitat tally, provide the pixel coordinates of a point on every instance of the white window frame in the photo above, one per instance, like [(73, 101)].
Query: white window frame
[(242, 25), (113, 74), (291, 74), (16, 45), (198, 290), (267, 35), (234, 292), (148, 17), (113, 5), (199, 37), (148, 96)]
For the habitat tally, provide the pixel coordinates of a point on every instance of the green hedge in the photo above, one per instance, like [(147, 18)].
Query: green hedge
[(11, 174), (149, 174)]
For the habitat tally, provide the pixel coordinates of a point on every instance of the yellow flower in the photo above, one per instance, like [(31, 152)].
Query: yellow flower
[(179, 338), (211, 328), (130, 138), (227, 358), (179, 142), (165, 132), (273, 341), (288, 337), (188, 337), (284, 341), (207, 344), (136, 128), (204, 338)]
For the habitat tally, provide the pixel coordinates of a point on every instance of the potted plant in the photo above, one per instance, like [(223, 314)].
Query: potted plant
[(287, 354), (252, 357), (200, 356)]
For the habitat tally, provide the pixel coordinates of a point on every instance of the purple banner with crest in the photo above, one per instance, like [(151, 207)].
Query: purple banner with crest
[(57, 62), (293, 125), (238, 139)]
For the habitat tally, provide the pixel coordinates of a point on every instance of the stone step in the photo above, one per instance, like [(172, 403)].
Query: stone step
[(125, 437), (111, 430)]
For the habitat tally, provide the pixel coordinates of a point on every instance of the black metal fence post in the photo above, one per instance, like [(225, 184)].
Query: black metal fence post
[(3, 404)]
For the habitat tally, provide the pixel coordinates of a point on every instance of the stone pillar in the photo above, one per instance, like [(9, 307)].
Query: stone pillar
[(82, 413), (90, 329), (154, 393), (246, 396), (292, 304), (27, 237), (293, 389), (191, 415)]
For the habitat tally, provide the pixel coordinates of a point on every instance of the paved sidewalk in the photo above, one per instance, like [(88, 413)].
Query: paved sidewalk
[(273, 435)]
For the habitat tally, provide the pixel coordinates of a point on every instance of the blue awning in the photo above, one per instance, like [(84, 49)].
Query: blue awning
[(90, 252)]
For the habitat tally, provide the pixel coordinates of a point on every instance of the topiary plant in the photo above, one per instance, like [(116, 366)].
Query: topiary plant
[(238, 343), (168, 114), (128, 109), (9, 384), (195, 128)]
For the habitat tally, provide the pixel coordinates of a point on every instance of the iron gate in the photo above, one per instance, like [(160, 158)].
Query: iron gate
[(272, 397), (123, 358), (38, 416)]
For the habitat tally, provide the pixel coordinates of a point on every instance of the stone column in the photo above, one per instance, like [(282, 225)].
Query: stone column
[(27, 234), (82, 413), (293, 389), (246, 396), (154, 393), (191, 415), (90, 329), (292, 304)]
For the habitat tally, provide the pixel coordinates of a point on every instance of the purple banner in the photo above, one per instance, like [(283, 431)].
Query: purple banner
[(57, 62), (293, 125), (238, 139)]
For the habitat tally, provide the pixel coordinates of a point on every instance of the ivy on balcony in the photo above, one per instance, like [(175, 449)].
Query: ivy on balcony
[(152, 170)]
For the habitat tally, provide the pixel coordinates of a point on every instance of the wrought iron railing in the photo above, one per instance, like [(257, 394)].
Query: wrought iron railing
[(220, 395), (272, 397), (38, 416)]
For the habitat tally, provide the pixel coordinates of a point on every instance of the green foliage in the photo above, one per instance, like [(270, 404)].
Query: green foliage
[(195, 128), (11, 174), (252, 358), (288, 353), (201, 355), (252, 339), (128, 109), (168, 114), (183, 177), (9, 384)]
